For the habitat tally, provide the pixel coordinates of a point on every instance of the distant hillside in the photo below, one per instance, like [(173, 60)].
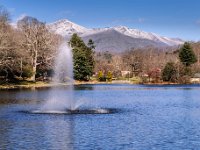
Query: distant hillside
[(113, 39)]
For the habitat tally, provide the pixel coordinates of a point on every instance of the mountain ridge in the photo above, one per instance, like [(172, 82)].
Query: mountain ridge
[(135, 38)]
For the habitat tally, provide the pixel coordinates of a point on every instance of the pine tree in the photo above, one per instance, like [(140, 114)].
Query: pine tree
[(83, 58), (187, 55), (91, 44), (76, 41)]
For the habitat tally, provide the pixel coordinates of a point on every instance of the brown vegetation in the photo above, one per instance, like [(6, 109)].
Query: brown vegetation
[(28, 53), (26, 49)]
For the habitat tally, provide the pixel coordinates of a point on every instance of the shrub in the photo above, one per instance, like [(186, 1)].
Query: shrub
[(27, 71), (109, 76), (184, 79), (101, 77), (169, 73)]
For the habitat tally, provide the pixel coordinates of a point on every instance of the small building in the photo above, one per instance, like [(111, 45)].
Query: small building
[(125, 73), (195, 78)]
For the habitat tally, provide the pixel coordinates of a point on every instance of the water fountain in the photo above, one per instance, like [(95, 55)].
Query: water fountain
[(58, 103)]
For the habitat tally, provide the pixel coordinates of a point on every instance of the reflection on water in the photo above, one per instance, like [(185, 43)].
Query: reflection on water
[(53, 132), (153, 117), (59, 133), (4, 132)]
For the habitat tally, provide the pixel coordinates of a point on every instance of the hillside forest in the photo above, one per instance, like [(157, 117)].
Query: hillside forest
[(28, 51)]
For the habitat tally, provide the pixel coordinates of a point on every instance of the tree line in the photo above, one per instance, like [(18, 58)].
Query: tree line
[(27, 49), (182, 71), (28, 52), (152, 64)]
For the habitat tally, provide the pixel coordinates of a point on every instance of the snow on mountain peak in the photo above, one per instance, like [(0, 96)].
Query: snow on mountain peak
[(65, 27), (147, 35)]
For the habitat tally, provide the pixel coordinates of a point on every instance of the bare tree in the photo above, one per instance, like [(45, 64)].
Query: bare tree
[(8, 54), (37, 41)]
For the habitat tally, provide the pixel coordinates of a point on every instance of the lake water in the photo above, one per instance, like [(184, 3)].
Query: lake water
[(149, 117)]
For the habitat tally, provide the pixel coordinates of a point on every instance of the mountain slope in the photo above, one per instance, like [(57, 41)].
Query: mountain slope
[(66, 28), (115, 39), (145, 35)]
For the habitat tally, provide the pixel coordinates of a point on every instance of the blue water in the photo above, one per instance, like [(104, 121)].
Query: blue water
[(150, 117)]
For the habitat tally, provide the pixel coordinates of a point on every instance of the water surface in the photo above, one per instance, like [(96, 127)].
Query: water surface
[(150, 117)]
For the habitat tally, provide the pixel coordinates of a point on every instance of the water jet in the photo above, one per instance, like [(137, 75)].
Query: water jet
[(76, 111), (57, 103)]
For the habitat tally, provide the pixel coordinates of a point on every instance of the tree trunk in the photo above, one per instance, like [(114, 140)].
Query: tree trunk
[(32, 78)]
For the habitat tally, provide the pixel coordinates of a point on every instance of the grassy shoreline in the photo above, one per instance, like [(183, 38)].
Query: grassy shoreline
[(29, 85)]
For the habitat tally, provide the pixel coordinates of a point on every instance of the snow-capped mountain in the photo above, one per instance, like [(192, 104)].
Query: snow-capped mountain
[(114, 38), (66, 28), (145, 35)]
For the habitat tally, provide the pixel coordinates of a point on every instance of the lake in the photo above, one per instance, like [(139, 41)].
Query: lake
[(148, 117)]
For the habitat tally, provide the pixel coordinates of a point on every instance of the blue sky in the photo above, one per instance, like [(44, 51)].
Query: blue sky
[(171, 18)]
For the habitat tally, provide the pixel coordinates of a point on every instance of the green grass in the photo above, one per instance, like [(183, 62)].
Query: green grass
[(136, 80)]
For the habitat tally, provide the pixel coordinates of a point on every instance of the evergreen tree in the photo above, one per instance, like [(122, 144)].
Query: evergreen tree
[(187, 55), (169, 73), (91, 44), (90, 56), (76, 41), (83, 58)]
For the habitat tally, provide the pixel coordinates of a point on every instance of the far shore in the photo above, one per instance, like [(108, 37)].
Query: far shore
[(40, 84)]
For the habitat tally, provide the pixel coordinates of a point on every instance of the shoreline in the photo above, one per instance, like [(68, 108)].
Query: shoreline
[(40, 84)]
